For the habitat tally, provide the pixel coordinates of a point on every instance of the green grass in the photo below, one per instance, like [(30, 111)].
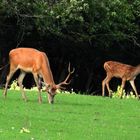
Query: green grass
[(71, 117)]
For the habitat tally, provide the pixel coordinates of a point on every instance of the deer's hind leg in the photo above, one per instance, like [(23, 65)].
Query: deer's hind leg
[(134, 88), (20, 81), (10, 75)]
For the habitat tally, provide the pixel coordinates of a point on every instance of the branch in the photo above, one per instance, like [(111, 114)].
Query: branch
[(135, 42), (31, 16)]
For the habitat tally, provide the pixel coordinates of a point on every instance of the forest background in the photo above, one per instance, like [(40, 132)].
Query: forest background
[(85, 33)]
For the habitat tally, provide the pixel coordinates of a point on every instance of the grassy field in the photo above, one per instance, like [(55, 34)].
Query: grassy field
[(72, 117)]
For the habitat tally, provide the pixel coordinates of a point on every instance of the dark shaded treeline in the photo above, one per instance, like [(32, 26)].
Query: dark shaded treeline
[(86, 57), (86, 33)]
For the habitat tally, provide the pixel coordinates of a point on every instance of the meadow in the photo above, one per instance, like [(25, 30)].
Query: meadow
[(71, 117)]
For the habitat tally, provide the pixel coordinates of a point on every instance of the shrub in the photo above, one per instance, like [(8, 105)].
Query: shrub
[(117, 94), (14, 85)]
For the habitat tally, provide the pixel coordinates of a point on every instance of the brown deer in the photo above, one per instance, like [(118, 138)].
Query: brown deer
[(119, 70), (30, 60)]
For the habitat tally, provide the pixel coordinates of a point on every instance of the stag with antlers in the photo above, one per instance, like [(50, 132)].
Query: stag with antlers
[(30, 60)]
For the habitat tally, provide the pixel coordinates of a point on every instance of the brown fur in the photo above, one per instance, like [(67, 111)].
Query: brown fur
[(35, 62), (120, 70)]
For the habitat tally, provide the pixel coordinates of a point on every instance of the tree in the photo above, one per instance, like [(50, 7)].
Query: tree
[(82, 27)]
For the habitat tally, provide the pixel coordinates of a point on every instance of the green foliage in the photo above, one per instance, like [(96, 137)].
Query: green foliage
[(117, 94), (14, 85), (113, 20), (80, 19), (64, 17), (136, 8)]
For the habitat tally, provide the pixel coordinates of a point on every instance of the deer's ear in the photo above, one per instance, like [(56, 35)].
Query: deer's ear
[(53, 90)]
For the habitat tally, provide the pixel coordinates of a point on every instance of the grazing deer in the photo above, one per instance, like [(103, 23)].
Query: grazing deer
[(119, 70), (30, 60)]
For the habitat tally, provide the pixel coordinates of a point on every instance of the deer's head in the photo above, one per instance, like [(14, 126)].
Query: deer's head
[(51, 89)]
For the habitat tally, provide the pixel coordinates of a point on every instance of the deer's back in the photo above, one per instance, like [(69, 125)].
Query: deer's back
[(25, 57), (117, 69)]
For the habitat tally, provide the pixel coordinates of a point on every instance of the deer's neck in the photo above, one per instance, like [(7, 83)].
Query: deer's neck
[(47, 74)]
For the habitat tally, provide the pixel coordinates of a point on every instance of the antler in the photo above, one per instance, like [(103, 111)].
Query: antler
[(65, 81)]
